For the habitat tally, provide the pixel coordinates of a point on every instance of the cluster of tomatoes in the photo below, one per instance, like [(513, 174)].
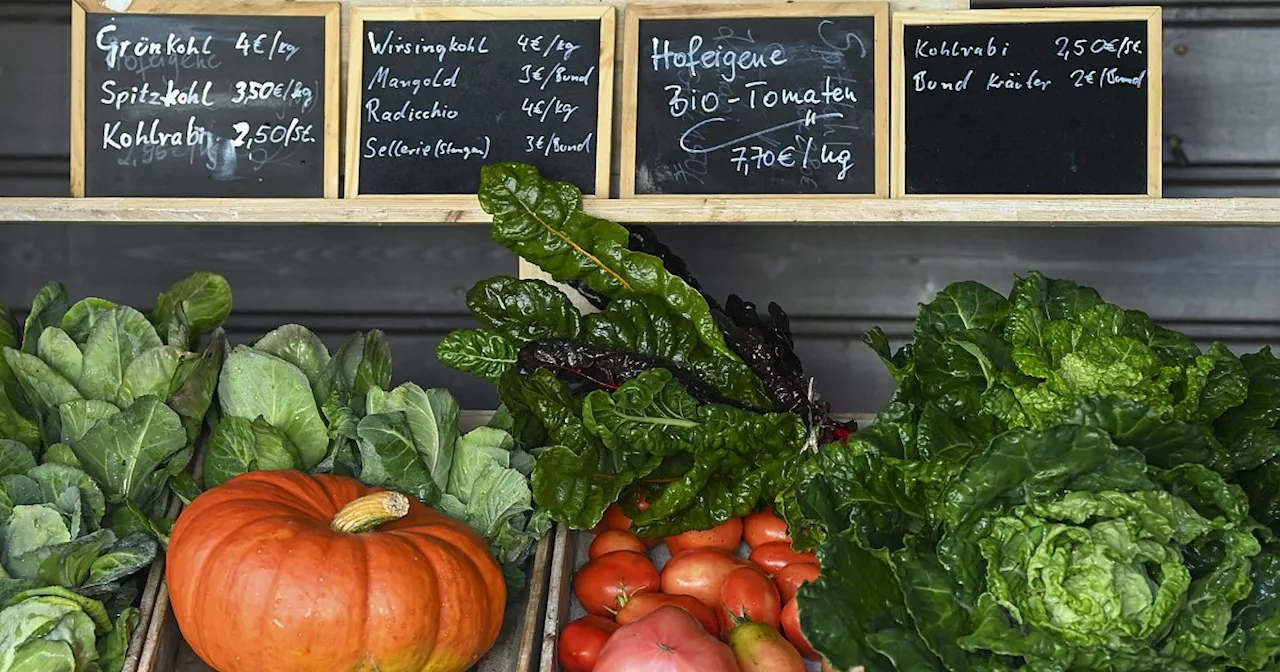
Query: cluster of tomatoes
[(708, 609)]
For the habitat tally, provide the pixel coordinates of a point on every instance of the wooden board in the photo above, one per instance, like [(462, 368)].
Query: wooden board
[(82, 100), (676, 209), (980, 105), (361, 18), (721, 97)]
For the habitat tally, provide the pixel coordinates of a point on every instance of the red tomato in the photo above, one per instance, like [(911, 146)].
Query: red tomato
[(748, 595), (581, 641), (790, 578), (775, 555), (601, 581), (700, 573), (643, 604), (759, 648), (726, 536), (791, 628), (614, 540), (763, 527), (667, 640), (614, 519)]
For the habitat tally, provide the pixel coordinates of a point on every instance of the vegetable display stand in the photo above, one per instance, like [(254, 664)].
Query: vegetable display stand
[(465, 210)]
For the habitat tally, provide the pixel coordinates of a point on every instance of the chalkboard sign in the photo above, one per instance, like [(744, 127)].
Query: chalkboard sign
[(220, 100), (756, 100), (434, 93), (1027, 102)]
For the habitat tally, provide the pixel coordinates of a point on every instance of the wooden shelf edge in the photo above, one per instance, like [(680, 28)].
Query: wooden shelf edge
[(466, 210)]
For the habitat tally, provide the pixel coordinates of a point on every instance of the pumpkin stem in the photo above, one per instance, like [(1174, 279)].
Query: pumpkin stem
[(365, 513)]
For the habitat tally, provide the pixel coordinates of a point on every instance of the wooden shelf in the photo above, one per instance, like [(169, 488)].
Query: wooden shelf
[(466, 210)]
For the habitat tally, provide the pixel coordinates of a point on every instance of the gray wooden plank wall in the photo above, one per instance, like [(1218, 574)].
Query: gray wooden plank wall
[(1222, 110)]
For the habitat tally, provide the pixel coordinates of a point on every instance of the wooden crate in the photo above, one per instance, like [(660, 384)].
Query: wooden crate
[(160, 648), (516, 650), (570, 554), (151, 592)]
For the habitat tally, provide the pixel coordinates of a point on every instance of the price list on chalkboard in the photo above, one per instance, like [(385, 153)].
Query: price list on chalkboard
[(437, 99), (790, 104), (1029, 108), (205, 105)]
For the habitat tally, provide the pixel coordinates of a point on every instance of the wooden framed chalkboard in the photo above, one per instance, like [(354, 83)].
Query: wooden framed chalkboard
[(434, 93), (205, 99), (756, 100), (1054, 103)]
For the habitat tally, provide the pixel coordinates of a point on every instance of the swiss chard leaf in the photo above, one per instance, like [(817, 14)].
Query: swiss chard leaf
[(648, 326), (481, 352), (523, 310), (543, 222)]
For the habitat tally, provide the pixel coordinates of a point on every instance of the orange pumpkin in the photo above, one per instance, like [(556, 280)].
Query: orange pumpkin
[(283, 571)]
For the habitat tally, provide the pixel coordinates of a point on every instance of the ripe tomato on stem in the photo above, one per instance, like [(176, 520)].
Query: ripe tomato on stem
[(763, 527), (601, 581), (748, 595), (726, 536), (581, 641)]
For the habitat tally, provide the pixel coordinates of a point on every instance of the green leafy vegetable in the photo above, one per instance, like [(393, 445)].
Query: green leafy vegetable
[(662, 394), (1049, 489), (286, 403), (111, 403)]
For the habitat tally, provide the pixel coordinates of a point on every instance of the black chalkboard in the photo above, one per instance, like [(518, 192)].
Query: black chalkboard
[(440, 92), (1038, 108), (207, 104), (777, 100)]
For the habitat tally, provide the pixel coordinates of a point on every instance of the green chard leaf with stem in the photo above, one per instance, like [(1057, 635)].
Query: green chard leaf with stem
[(483, 352), (543, 222), (523, 310)]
